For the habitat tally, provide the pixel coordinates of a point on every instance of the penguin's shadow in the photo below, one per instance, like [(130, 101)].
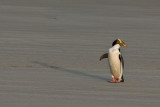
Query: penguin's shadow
[(75, 72)]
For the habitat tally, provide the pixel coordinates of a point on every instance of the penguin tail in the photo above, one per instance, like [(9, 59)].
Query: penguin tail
[(122, 79)]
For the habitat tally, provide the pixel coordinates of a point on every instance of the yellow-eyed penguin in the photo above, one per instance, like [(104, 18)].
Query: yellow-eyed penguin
[(115, 60)]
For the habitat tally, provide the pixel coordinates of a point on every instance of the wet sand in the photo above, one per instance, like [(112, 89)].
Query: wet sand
[(50, 49)]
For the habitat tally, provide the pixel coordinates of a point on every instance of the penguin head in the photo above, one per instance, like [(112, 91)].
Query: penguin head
[(120, 42)]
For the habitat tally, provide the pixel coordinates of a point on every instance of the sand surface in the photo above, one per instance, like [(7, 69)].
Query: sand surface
[(50, 49)]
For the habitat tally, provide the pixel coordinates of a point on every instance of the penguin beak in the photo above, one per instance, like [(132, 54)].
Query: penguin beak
[(125, 45), (121, 43)]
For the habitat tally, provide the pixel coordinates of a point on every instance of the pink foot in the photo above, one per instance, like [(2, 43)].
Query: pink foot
[(113, 80), (119, 80)]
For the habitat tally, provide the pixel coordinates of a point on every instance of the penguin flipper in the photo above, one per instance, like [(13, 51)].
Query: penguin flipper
[(104, 56), (122, 62)]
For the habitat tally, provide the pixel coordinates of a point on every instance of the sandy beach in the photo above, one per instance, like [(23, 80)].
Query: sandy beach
[(50, 49)]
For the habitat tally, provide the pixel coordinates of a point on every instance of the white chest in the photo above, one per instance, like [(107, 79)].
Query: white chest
[(114, 62)]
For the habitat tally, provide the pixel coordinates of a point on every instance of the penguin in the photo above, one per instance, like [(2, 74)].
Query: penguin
[(115, 60)]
